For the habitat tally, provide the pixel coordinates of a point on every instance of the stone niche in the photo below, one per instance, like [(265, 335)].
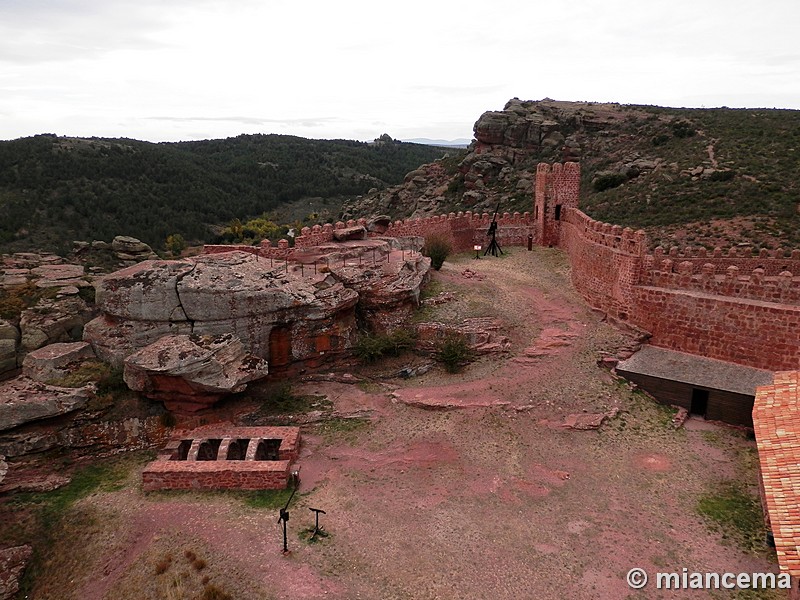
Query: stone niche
[(222, 457)]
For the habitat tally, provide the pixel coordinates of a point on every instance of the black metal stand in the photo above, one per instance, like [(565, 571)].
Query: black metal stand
[(283, 515), (317, 530), (493, 247)]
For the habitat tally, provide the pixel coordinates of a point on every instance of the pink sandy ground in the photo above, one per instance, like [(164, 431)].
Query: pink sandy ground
[(480, 495)]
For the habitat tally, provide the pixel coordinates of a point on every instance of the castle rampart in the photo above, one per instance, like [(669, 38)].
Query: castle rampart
[(724, 303)]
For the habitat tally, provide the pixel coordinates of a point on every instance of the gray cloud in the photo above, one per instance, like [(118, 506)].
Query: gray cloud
[(303, 122), (39, 31)]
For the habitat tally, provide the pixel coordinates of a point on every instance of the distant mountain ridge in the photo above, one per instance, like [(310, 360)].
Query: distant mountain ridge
[(57, 189), (456, 143)]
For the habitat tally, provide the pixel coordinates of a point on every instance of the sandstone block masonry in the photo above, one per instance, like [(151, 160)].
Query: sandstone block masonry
[(220, 458)]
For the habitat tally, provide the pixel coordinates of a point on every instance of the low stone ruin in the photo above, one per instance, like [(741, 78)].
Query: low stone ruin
[(224, 457)]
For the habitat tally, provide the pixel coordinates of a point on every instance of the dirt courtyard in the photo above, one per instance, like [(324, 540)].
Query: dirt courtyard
[(463, 485)]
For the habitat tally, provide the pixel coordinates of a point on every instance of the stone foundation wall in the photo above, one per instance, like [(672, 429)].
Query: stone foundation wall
[(181, 466), (208, 475)]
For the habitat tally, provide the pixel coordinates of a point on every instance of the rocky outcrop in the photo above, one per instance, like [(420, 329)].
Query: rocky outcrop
[(55, 361), (482, 334), (130, 250), (303, 313), (56, 310), (12, 565), (388, 291), (52, 321), (191, 372), (60, 275), (23, 400)]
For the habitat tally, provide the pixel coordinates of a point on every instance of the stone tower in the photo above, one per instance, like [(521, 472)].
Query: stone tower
[(557, 189)]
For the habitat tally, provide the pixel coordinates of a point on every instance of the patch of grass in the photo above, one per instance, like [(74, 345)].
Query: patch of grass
[(341, 429), (735, 512), (53, 513), (267, 499), (430, 289), (369, 387), (372, 347), (280, 399), (453, 352), (90, 371)]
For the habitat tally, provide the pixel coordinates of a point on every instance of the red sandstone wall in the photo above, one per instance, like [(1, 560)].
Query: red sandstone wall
[(752, 320), (751, 332), (467, 229), (208, 475)]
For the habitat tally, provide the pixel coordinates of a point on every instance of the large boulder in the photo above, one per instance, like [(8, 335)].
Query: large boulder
[(23, 400), (56, 360), (232, 292), (130, 250), (191, 372)]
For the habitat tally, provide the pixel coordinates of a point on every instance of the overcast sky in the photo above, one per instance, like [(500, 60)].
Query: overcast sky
[(192, 69)]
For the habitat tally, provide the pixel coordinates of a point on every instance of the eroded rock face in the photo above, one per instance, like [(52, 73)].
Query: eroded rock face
[(388, 292), (191, 372), (23, 400), (12, 565), (231, 293)]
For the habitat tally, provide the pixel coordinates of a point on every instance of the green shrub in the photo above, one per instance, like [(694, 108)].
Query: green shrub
[(453, 352), (372, 347), (87, 294), (212, 592), (608, 181), (660, 139), (438, 248), (683, 129), (722, 175)]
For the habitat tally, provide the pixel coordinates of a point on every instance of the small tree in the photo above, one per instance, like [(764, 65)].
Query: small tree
[(176, 244), (438, 248)]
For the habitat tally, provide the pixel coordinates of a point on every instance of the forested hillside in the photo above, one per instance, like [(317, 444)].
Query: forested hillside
[(54, 189)]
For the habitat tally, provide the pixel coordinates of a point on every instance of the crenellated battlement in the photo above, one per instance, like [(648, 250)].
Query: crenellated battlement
[(772, 262), (783, 288), (611, 236)]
